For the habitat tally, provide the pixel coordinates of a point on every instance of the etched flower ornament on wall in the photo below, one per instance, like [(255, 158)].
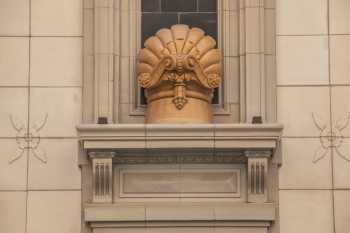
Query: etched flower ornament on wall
[(331, 137), (28, 139)]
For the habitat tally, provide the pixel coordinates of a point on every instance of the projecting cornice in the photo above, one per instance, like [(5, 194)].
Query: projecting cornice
[(200, 136)]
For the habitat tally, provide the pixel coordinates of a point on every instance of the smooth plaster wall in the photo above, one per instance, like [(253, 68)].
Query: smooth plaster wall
[(41, 74)]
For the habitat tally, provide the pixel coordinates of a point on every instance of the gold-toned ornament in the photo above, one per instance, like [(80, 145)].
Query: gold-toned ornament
[(179, 69)]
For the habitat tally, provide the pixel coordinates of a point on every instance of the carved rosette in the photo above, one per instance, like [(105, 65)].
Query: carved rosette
[(181, 63)]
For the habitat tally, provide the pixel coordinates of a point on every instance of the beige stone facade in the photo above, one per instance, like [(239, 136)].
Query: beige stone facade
[(66, 63)]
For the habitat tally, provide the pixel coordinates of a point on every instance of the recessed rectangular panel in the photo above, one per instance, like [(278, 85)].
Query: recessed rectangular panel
[(148, 181), (179, 182), (209, 181)]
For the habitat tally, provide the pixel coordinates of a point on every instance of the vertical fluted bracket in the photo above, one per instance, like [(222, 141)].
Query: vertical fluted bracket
[(102, 173), (257, 175)]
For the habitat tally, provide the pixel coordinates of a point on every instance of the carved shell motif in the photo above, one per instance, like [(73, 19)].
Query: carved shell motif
[(179, 54)]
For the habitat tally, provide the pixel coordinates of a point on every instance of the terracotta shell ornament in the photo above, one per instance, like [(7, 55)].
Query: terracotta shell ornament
[(179, 69)]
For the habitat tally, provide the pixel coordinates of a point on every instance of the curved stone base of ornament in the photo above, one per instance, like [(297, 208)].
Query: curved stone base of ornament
[(163, 110)]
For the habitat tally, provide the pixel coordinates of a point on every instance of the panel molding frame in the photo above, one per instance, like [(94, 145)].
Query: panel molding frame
[(120, 171)]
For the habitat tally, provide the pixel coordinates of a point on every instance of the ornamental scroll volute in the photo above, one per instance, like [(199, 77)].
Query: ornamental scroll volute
[(179, 69)]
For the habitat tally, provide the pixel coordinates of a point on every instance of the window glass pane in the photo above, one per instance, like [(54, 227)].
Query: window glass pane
[(157, 14), (179, 5), (207, 5), (150, 5)]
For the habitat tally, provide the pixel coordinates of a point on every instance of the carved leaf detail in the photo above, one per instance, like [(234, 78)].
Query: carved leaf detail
[(341, 154), (40, 154), (320, 124), (320, 154), (342, 122)]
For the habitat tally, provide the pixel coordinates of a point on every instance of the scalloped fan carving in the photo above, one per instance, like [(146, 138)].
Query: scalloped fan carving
[(179, 55)]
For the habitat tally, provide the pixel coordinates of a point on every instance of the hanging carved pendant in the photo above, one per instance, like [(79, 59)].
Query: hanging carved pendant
[(182, 65)]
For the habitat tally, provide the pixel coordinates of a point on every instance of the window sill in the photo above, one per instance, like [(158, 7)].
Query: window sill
[(134, 214), (199, 136)]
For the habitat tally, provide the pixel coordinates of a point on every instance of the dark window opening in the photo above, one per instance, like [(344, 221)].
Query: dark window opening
[(157, 14)]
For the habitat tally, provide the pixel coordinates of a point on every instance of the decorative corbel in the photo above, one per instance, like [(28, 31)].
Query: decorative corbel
[(257, 175), (102, 172)]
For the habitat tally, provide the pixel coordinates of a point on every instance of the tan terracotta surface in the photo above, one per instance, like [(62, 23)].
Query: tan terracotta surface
[(179, 68)]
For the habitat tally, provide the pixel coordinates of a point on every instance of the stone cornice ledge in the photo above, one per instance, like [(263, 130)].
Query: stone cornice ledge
[(159, 136), (186, 212)]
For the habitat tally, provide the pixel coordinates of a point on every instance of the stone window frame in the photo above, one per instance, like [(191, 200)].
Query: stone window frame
[(112, 35)]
